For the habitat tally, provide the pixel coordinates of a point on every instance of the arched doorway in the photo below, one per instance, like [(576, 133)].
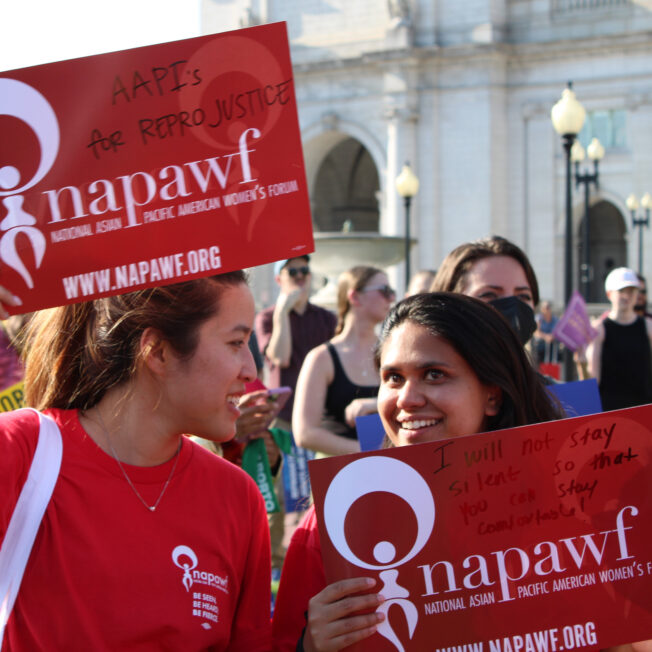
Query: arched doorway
[(607, 246), (346, 188)]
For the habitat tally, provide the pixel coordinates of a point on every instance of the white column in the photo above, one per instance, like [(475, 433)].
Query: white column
[(401, 114)]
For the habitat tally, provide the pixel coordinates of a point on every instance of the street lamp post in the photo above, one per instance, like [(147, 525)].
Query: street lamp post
[(407, 186), (640, 222), (596, 152), (567, 119)]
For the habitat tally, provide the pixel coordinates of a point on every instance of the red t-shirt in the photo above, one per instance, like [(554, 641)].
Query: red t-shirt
[(302, 577), (107, 574)]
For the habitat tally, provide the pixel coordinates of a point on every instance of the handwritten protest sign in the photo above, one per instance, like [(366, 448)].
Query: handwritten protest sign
[(150, 166), (525, 540)]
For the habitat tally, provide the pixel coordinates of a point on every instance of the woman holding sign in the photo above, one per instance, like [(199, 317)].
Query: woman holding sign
[(449, 365), (149, 541)]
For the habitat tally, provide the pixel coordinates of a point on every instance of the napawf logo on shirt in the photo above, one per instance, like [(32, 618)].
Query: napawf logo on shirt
[(186, 559), (204, 604)]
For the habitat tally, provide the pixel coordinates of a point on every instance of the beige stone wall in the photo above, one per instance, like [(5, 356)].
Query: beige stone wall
[(464, 90)]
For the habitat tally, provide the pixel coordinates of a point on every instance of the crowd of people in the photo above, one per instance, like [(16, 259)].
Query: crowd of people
[(150, 541)]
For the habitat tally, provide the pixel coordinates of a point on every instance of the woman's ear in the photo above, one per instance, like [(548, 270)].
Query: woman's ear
[(494, 401), (352, 296), (154, 350)]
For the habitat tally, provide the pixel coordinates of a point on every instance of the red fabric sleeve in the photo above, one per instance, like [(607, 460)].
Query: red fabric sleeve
[(302, 577)]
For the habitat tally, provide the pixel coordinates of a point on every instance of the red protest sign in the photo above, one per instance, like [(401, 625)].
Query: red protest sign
[(525, 540), (150, 166)]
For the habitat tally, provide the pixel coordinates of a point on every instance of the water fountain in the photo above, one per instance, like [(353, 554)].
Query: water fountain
[(338, 251)]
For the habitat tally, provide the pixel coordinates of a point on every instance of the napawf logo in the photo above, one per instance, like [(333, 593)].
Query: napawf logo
[(383, 474), (185, 558), (204, 603), (21, 101)]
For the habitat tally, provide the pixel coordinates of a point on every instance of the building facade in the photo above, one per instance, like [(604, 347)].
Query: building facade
[(463, 91)]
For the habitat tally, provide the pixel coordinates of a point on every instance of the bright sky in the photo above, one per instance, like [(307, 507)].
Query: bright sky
[(41, 31)]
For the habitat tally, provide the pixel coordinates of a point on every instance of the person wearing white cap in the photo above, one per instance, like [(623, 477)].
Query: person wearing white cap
[(620, 357)]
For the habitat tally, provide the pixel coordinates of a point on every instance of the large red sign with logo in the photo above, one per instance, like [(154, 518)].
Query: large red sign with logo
[(535, 539), (150, 166)]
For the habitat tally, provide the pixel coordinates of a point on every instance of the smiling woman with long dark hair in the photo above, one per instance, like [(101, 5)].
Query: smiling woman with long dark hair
[(449, 365)]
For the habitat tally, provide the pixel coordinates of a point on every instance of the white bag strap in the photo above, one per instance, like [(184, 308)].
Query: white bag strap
[(28, 514)]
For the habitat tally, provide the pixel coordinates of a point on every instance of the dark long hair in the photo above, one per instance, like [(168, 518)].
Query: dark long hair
[(482, 336), (75, 353), (451, 275)]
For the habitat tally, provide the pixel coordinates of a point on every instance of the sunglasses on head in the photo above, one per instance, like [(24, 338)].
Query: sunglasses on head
[(293, 271), (386, 290)]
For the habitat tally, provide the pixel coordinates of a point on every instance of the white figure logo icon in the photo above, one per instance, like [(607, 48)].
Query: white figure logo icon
[(178, 555), (25, 103), (383, 474)]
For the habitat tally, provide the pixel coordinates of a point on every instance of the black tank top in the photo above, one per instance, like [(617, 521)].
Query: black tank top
[(625, 367), (341, 392)]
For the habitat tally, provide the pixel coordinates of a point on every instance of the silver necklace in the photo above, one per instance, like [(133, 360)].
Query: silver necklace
[(153, 507)]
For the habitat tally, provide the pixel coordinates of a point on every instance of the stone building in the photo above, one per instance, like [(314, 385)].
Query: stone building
[(463, 90)]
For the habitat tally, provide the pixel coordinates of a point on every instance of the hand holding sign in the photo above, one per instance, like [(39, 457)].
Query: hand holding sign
[(339, 615)]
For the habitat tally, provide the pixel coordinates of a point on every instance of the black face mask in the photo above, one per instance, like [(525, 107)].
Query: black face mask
[(519, 315)]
